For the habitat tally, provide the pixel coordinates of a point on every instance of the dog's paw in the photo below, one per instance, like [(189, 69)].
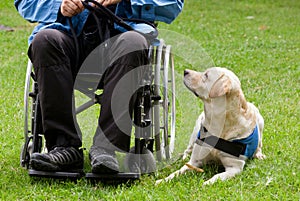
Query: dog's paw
[(215, 178), (185, 156), (209, 182), (206, 183), (259, 156), (157, 182)]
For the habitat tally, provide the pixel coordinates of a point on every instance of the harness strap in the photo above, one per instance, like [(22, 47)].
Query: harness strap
[(234, 148)]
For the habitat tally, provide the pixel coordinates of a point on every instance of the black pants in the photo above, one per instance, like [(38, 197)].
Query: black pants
[(53, 54)]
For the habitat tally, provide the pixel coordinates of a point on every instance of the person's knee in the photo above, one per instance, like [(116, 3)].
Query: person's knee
[(133, 41), (128, 44), (44, 40), (48, 48)]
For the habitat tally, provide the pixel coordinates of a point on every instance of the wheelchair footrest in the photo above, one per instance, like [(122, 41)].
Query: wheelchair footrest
[(121, 177), (57, 175)]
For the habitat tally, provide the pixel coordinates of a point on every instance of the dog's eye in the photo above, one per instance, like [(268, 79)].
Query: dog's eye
[(205, 77)]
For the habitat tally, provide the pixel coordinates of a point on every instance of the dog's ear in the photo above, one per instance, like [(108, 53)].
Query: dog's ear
[(222, 86)]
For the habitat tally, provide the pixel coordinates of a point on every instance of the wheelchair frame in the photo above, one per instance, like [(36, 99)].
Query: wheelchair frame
[(155, 99)]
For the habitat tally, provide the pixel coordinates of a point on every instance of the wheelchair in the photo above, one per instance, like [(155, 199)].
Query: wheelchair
[(153, 119)]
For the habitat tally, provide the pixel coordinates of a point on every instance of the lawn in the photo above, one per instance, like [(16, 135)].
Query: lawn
[(258, 40)]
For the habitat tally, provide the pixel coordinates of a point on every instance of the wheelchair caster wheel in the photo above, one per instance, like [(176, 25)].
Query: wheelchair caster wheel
[(140, 163)]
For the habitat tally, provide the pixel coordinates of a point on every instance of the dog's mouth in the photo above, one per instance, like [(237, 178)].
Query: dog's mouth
[(196, 94), (191, 89)]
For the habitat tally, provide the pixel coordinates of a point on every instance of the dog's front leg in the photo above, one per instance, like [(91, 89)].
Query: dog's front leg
[(229, 173), (232, 168), (258, 153), (174, 174), (187, 151), (193, 137), (199, 153)]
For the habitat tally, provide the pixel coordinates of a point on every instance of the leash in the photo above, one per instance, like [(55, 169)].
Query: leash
[(101, 10)]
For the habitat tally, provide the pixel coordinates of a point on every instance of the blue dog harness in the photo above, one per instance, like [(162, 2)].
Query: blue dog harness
[(245, 146)]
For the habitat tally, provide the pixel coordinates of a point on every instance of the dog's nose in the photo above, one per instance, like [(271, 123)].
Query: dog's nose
[(185, 72)]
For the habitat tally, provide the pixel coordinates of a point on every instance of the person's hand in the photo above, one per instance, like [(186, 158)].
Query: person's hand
[(69, 8), (108, 2)]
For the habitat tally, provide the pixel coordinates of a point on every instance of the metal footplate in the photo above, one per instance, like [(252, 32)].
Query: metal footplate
[(118, 177), (56, 175)]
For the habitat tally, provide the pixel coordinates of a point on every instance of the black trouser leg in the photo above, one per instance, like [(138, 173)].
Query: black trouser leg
[(127, 54), (52, 54)]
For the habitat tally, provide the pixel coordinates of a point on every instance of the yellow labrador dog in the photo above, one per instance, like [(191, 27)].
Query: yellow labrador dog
[(228, 131)]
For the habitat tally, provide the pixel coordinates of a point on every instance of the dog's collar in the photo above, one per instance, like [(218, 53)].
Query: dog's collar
[(246, 146)]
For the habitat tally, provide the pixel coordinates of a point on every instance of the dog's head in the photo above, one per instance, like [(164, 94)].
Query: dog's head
[(212, 83)]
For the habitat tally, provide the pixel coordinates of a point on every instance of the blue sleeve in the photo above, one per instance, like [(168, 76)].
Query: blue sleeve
[(150, 10), (43, 11)]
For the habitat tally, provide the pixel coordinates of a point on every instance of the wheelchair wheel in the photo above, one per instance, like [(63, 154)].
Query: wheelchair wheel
[(25, 152), (140, 163), (32, 119), (164, 84)]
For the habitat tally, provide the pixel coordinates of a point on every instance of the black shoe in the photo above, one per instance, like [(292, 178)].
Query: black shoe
[(66, 159), (103, 161)]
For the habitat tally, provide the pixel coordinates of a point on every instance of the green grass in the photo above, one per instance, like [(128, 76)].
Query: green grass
[(263, 50)]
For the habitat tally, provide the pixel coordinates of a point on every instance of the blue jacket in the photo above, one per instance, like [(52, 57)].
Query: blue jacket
[(47, 13)]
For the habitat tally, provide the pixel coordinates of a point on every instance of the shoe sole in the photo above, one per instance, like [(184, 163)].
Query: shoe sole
[(43, 166), (40, 165), (108, 168)]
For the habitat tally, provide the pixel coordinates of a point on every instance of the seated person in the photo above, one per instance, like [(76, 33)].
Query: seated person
[(53, 53)]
